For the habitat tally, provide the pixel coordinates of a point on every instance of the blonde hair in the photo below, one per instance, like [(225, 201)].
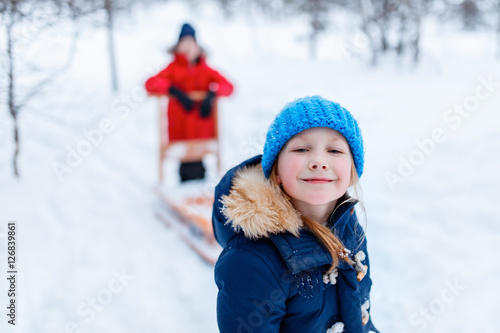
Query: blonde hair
[(323, 233)]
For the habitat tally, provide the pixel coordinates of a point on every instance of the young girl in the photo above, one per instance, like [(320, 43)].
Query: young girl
[(295, 257), (188, 72)]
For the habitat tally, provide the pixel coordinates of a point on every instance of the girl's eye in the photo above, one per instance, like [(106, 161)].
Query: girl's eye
[(335, 151), (300, 150)]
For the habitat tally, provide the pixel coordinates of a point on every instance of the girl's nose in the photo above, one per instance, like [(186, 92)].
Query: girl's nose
[(318, 164)]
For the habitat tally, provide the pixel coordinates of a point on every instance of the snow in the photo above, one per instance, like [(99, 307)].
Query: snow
[(92, 255)]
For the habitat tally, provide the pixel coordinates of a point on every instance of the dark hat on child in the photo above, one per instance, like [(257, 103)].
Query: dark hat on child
[(309, 112), (187, 30)]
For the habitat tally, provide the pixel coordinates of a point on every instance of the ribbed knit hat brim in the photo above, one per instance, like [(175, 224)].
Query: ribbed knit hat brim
[(309, 112)]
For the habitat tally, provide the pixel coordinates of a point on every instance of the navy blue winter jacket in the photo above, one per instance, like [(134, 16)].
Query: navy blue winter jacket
[(269, 279)]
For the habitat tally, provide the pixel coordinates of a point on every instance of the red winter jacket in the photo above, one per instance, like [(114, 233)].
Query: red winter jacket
[(184, 125)]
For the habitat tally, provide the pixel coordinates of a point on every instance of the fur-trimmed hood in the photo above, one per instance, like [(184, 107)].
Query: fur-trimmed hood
[(258, 207), (229, 219)]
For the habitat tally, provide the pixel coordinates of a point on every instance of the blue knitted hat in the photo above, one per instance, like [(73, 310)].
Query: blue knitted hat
[(187, 30), (309, 112)]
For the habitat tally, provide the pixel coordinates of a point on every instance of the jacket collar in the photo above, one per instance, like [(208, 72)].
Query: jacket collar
[(305, 252), (257, 208)]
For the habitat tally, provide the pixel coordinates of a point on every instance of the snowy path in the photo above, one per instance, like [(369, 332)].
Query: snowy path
[(75, 236)]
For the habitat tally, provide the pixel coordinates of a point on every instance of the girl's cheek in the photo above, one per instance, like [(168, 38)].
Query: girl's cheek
[(289, 168), (346, 173), (293, 165)]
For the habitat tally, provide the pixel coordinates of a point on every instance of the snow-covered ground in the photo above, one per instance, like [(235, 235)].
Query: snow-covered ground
[(92, 255)]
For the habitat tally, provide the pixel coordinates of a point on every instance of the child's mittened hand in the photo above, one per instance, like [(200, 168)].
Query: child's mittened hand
[(187, 103), (206, 105)]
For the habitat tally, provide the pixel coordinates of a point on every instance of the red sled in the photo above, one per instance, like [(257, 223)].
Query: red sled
[(187, 207)]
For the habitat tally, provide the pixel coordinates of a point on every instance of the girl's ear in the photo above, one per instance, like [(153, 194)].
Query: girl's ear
[(277, 178), (274, 175)]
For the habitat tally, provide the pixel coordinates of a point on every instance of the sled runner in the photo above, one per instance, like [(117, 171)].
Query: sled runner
[(189, 215), (187, 207)]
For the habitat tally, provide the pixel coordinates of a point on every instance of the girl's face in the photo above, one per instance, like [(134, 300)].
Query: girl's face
[(314, 168), (188, 47)]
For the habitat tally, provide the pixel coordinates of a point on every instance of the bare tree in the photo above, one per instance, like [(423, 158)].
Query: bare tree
[(470, 14), (227, 7), (16, 15), (495, 11), (498, 29), (411, 14), (10, 12), (378, 18), (109, 7), (112, 8), (381, 18), (317, 11), (369, 27)]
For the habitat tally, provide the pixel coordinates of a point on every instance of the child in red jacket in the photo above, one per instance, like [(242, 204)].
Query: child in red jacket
[(188, 72)]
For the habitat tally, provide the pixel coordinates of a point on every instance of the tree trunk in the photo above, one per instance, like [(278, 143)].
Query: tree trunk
[(403, 20), (313, 37), (383, 27), (498, 30), (10, 92), (420, 13), (416, 39), (111, 45), (366, 10)]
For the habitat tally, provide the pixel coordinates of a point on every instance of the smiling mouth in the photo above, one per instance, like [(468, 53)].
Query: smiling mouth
[(318, 180)]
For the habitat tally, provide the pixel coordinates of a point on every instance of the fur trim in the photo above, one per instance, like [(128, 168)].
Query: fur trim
[(258, 207)]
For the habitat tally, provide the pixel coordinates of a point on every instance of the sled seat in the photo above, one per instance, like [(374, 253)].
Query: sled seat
[(184, 151), (192, 209)]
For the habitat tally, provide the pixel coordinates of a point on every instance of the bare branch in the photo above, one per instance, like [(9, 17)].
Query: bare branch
[(37, 88)]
